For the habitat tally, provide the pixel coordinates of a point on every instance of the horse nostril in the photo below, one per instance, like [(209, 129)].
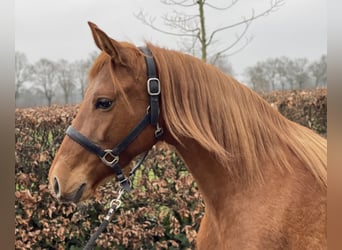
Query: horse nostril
[(55, 186)]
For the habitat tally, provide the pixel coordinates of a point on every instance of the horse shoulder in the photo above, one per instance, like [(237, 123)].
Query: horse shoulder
[(288, 212)]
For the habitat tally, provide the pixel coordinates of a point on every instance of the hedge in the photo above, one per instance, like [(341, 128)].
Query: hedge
[(164, 209)]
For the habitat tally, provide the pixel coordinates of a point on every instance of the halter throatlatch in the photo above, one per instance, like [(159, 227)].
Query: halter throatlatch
[(110, 157)]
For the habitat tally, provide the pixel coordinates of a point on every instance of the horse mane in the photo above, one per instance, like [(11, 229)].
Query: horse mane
[(227, 119), (231, 121)]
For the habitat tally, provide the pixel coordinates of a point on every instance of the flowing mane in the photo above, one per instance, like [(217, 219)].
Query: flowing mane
[(229, 120), (263, 178)]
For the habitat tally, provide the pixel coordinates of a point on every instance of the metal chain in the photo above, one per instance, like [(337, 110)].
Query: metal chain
[(114, 205)]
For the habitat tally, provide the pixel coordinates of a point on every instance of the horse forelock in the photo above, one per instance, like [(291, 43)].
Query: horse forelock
[(231, 121)]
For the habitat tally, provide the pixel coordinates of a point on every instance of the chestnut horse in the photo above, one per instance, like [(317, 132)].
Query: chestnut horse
[(263, 178)]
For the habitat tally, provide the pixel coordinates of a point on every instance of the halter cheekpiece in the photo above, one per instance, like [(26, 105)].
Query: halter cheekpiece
[(110, 157)]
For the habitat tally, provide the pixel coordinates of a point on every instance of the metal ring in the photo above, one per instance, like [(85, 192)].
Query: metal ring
[(109, 152), (149, 86), (116, 202)]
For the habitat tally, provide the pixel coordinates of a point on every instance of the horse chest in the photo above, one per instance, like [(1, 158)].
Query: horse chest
[(239, 233)]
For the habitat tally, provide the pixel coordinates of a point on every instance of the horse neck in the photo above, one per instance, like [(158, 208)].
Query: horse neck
[(215, 182), (209, 175), (224, 194)]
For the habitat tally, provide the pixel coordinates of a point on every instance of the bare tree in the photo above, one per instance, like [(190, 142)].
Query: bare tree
[(30, 97), (290, 69), (270, 72), (279, 73), (301, 74), (65, 79), (22, 71), (80, 69), (224, 65), (281, 66), (45, 78), (293, 72), (318, 70), (194, 26), (256, 78)]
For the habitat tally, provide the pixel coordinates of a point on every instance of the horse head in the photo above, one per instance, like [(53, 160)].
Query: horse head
[(116, 100)]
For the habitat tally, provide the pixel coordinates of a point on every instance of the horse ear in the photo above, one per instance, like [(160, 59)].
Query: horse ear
[(106, 44)]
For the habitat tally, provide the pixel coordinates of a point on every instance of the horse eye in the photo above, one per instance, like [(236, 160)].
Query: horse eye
[(103, 103)]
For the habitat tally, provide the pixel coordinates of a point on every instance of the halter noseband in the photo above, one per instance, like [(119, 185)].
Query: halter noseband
[(110, 157)]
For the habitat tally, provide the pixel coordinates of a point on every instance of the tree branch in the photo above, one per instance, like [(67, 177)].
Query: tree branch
[(190, 47), (222, 8), (238, 38), (274, 5), (180, 3), (181, 22), (247, 41), (142, 17)]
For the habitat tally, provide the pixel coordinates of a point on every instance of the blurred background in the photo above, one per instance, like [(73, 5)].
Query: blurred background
[(267, 45)]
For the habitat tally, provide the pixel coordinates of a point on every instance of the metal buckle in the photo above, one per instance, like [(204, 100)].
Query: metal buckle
[(117, 202), (151, 93), (109, 163)]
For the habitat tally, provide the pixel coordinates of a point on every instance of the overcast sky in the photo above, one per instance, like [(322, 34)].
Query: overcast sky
[(57, 29)]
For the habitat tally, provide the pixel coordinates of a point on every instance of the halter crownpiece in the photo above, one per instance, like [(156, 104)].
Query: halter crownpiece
[(110, 157)]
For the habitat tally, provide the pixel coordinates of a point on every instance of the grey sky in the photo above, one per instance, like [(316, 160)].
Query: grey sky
[(58, 29)]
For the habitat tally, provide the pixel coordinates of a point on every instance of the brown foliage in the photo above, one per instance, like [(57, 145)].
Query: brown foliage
[(306, 107), (162, 212)]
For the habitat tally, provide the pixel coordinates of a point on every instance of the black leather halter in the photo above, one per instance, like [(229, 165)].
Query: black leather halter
[(110, 157)]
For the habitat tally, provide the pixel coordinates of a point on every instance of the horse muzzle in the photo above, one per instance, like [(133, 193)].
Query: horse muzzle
[(67, 197)]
